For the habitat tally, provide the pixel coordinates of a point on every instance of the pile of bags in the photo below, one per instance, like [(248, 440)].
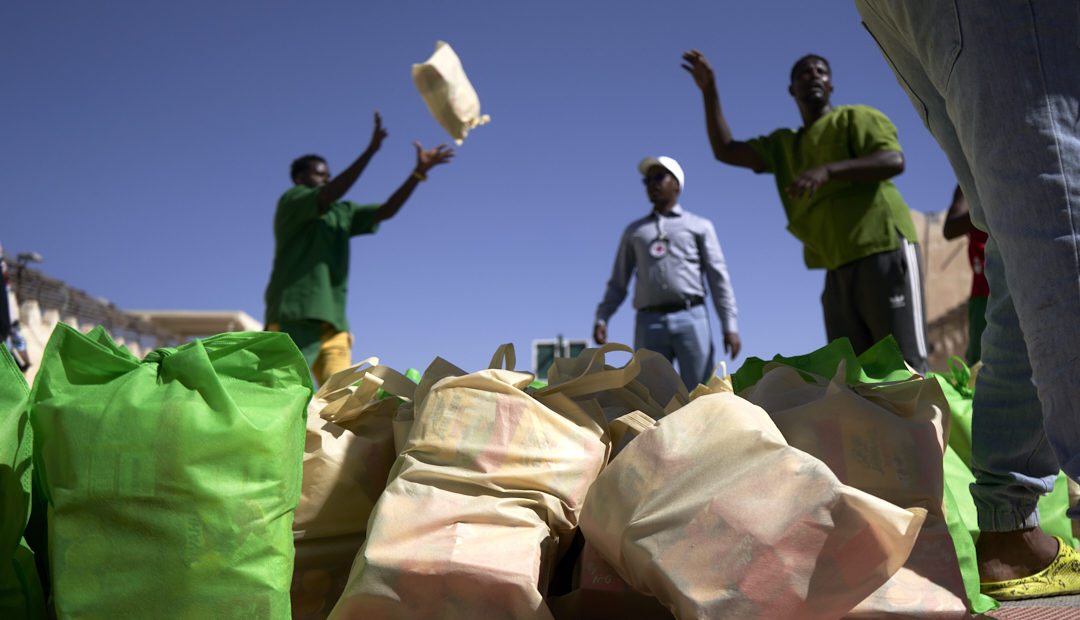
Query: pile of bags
[(209, 481)]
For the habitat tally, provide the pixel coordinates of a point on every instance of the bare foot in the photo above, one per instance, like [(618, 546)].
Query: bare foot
[(1010, 555)]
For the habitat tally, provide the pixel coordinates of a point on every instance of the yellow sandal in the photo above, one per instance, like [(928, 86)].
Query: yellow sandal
[(1060, 578)]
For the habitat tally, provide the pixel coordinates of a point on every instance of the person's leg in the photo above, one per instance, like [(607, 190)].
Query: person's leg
[(841, 316), (996, 82), (307, 335), (18, 347), (691, 339), (335, 353), (651, 332), (888, 292), (976, 327), (1011, 458)]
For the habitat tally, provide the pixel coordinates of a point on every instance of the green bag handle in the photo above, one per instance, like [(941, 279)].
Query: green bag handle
[(393, 382)]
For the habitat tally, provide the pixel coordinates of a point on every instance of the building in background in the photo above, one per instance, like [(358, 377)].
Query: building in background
[(947, 278), (544, 353), (44, 301)]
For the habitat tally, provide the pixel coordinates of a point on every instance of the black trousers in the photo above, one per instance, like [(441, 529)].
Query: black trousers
[(873, 297)]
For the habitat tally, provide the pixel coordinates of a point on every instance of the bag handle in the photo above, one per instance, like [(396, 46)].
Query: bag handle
[(505, 353), (591, 382), (346, 378), (394, 382), (437, 370), (634, 422)]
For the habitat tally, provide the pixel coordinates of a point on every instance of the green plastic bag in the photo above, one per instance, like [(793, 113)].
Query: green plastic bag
[(881, 362), (958, 391), (960, 507), (21, 594), (171, 481)]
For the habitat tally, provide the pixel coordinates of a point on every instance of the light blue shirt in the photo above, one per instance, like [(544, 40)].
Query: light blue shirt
[(690, 254)]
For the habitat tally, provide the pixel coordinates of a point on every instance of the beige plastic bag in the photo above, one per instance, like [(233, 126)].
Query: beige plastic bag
[(436, 371), (886, 439), (650, 383), (346, 464), (448, 94), (711, 511), (599, 593), (489, 483)]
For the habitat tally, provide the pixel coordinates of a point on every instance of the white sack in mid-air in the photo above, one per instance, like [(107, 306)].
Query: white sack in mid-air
[(447, 92)]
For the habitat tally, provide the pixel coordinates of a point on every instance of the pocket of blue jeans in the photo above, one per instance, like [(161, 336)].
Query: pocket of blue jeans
[(926, 43)]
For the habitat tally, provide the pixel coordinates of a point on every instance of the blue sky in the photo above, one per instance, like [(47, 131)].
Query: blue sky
[(146, 144)]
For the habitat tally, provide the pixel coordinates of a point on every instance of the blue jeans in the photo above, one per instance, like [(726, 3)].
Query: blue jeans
[(684, 336), (997, 85)]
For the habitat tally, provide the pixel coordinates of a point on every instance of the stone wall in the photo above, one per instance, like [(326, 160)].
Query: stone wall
[(43, 302)]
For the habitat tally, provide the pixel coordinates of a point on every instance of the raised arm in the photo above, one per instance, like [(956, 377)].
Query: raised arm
[(724, 147), (958, 219), (873, 168), (425, 160), (335, 189)]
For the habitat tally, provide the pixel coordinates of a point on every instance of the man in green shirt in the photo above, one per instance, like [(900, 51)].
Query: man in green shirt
[(833, 175), (312, 227)]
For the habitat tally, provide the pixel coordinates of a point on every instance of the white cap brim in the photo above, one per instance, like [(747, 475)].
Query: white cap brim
[(666, 163)]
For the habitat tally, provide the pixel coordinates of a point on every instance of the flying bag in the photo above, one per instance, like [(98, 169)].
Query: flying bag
[(448, 94)]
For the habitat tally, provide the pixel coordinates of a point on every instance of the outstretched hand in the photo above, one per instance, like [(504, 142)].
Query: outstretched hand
[(377, 134), (698, 66), (808, 183), (427, 159)]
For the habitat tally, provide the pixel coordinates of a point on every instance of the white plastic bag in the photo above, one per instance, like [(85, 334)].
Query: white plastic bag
[(448, 93)]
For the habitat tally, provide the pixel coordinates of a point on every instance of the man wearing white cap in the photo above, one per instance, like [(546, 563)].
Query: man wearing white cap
[(672, 252)]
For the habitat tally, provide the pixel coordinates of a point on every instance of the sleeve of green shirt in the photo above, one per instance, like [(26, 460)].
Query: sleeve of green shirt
[(871, 131), (363, 218), (762, 145), (297, 205)]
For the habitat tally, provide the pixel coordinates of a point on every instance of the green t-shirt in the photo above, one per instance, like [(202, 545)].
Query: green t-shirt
[(845, 220), (311, 257)]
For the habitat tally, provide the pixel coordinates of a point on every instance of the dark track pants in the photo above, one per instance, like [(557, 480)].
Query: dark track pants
[(881, 294)]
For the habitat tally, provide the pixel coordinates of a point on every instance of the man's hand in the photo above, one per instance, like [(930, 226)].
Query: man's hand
[(377, 134), (732, 344), (427, 159), (699, 67), (808, 183), (599, 333)]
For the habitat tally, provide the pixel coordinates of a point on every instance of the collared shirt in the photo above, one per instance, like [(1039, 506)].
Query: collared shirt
[(690, 254), (311, 257)]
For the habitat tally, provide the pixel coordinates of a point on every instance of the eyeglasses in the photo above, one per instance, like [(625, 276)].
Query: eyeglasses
[(656, 178)]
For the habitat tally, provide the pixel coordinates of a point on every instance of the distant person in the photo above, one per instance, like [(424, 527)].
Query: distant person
[(957, 224), (833, 174), (10, 330), (312, 226), (996, 84), (672, 252)]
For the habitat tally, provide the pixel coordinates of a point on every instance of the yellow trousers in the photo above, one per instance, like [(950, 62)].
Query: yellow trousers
[(328, 352)]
